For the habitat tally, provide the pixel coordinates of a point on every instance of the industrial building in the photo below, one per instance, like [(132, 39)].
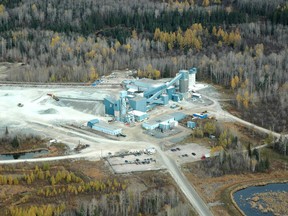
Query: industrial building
[(111, 106), (138, 103), (104, 127), (162, 122), (201, 116), (144, 94), (191, 124), (178, 116), (138, 115)]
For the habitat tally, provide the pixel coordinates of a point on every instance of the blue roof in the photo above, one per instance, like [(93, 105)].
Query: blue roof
[(94, 121)]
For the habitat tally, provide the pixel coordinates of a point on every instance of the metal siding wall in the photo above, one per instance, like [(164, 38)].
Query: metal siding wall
[(141, 106), (132, 104), (149, 127), (109, 107), (105, 130), (165, 99), (170, 92), (175, 97)]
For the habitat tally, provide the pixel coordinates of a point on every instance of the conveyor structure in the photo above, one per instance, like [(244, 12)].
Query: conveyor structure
[(154, 94)]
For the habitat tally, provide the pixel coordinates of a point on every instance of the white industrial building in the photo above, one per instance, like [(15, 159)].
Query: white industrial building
[(104, 127), (138, 115), (163, 120)]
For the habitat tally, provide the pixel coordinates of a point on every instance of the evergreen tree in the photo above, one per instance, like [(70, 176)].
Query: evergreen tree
[(15, 142), (256, 154), (6, 131), (249, 150)]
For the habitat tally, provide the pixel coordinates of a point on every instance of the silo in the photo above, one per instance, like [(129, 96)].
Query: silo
[(192, 77), (184, 85), (185, 74), (123, 95)]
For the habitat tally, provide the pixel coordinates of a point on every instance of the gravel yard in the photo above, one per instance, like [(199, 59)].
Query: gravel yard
[(187, 153)]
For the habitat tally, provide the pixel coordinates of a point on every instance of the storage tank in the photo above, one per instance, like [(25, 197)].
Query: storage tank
[(184, 85), (192, 77), (185, 74), (123, 95)]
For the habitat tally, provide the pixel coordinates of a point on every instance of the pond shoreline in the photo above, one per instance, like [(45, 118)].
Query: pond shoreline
[(247, 185), (25, 151)]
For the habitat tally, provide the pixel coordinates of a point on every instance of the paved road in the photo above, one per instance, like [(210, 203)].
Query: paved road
[(184, 185)]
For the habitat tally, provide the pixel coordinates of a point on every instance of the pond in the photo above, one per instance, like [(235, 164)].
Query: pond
[(243, 197), (23, 155)]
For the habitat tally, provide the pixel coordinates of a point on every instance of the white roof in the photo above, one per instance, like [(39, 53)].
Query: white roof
[(132, 90), (137, 113)]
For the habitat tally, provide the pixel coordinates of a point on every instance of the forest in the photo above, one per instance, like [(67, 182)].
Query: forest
[(240, 45), (52, 189)]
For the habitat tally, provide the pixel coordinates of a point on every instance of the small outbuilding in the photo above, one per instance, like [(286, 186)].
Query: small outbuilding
[(138, 115), (92, 122), (201, 116), (191, 124)]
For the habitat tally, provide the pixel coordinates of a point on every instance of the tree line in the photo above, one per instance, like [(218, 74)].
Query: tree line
[(68, 41)]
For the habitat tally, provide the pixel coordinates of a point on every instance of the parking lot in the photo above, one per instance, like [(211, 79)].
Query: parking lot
[(135, 163), (188, 153)]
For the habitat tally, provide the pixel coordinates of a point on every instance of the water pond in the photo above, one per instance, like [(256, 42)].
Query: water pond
[(24, 155), (243, 197)]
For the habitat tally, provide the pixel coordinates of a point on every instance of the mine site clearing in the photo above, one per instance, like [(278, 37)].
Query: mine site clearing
[(188, 153), (63, 115), (135, 161)]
